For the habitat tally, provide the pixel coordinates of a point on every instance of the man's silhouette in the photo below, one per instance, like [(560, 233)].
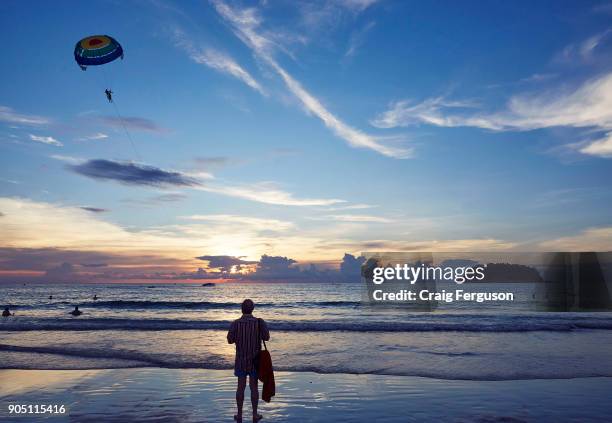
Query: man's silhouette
[(247, 333)]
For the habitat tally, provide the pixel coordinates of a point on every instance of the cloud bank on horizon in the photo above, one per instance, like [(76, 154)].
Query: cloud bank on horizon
[(276, 135)]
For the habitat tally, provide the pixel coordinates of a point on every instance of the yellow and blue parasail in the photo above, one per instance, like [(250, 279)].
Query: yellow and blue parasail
[(97, 50)]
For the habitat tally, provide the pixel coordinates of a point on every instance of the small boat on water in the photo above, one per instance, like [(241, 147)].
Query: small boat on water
[(208, 284)]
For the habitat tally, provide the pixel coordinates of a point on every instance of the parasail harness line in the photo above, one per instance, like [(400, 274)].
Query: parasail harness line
[(111, 100), (127, 133)]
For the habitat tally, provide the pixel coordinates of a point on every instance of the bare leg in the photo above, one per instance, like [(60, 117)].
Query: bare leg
[(240, 397), (254, 397)]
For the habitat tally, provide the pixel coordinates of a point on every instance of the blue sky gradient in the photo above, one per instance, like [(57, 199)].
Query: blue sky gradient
[(307, 129)]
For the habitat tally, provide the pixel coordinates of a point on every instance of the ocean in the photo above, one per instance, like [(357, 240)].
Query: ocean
[(315, 327)]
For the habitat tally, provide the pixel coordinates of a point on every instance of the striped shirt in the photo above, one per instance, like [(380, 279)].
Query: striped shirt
[(244, 333)]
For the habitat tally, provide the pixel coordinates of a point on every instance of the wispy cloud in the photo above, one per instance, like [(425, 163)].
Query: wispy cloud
[(266, 193), (199, 175), (133, 123), (129, 173), (68, 159), (169, 197), (588, 105), (10, 181), (216, 60), (245, 23), (357, 38), (98, 136), (538, 77), (46, 140), (584, 50), (360, 206), (226, 64), (357, 5), (432, 111), (7, 114), (94, 209), (252, 222), (601, 147), (165, 198), (604, 8), (318, 17), (355, 218), (214, 162)]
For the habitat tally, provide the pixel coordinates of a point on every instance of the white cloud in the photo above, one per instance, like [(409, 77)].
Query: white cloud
[(9, 115), (200, 175), (46, 140), (584, 50), (357, 5), (10, 181), (266, 193), (245, 23), (588, 46), (31, 224), (357, 38), (539, 77), (355, 218), (94, 137), (244, 221), (351, 207), (216, 60), (223, 63), (318, 17), (68, 159), (430, 111), (588, 105), (601, 147)]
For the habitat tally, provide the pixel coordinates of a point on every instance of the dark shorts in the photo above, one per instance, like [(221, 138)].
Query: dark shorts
[(244, 373)]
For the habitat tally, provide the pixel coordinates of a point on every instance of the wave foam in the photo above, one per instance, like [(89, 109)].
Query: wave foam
[(502, 325)]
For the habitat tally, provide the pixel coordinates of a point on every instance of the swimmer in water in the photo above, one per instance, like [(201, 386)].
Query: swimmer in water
[(6, 312), (76, 311)]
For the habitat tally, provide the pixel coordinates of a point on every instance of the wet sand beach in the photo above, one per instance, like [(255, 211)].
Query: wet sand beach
[(199, 395)]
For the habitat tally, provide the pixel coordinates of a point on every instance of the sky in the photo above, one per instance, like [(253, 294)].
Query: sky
[(256, 139)]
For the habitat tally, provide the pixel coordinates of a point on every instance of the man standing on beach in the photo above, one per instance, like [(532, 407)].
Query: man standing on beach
[(247, 333)]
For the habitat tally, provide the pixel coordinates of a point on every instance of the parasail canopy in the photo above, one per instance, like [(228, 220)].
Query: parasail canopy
[(97, 50)]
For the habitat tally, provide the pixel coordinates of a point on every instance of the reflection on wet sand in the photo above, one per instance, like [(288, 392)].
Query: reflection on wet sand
[(17, 382), (194, 395)]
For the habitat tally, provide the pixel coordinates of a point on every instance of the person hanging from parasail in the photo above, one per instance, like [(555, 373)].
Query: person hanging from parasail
[(98, 50)]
